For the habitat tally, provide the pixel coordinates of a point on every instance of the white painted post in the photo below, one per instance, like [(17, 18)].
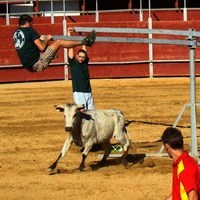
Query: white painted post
[(65, 50), (97, 12), (7, 14), (52, 14), (194, 149), (150, 26), (141, 12), (185, 11)]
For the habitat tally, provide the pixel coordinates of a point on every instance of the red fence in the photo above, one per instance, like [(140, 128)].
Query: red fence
[(122, 59)]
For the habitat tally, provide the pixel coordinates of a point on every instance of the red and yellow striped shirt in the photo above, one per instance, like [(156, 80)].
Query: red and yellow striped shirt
[(186, 177)]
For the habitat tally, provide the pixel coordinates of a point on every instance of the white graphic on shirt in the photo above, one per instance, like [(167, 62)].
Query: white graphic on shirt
[(19, 39)]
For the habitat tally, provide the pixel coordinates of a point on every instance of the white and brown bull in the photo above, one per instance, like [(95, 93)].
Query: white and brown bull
[(89, 127)]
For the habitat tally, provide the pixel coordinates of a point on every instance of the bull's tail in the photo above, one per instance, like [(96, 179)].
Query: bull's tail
[(127, 122)]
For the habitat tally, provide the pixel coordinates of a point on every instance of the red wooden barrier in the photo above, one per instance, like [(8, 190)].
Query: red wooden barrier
[(104, 52)]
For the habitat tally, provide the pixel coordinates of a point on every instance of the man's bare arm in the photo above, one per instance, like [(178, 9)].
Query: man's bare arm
[(84, 48), (42, 42), (170, 197), (193, 195), (70, 50)]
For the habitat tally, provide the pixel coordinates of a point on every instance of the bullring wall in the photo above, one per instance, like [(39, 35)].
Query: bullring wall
[(108, 60)]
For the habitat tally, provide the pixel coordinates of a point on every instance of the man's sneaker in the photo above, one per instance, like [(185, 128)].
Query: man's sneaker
[(89, 40)]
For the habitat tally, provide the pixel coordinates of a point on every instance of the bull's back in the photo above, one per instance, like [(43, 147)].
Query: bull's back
[(103, 123)]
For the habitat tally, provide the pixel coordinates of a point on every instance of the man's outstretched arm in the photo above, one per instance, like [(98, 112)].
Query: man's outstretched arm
[(70, 50)]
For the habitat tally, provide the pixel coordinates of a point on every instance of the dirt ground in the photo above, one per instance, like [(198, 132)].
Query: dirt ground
[(32, 134)]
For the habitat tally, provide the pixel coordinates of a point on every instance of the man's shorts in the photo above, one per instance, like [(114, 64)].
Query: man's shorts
[(44, 60), (86, 99)]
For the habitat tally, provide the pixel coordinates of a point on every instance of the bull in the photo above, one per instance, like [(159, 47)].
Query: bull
[(89, 127)]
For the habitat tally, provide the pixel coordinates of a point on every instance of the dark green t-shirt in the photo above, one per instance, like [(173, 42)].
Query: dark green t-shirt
[(80, 76), (27, 51)]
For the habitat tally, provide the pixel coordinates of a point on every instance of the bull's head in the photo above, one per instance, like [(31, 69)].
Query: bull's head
[(70, 113)]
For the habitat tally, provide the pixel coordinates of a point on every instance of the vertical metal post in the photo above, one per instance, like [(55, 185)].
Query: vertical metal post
[(141, 12), (194, 149), (52, 14), (97, 12), (65, 50), (7, 14), (64, 10), (185, 11), (150, 26)]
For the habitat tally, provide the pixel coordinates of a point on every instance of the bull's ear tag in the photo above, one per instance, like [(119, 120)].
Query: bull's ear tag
[(59, 108)]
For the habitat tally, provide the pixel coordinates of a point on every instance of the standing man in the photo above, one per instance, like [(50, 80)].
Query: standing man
[(186, 174), (35, 51), (82, 91)]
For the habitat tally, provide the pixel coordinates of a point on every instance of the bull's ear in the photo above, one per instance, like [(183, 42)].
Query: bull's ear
[(81, 107), (59, 108)]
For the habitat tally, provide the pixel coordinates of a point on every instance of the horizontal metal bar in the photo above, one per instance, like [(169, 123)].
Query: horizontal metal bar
[(19, 65), (141, 62), (156, 155), (113, 63), (128, 40), (119, 155), (138, 30)]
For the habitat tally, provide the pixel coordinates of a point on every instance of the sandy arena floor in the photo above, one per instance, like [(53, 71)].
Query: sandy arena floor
[(32, 134)]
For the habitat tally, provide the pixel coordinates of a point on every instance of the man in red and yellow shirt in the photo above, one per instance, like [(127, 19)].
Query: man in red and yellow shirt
[(186, 172)]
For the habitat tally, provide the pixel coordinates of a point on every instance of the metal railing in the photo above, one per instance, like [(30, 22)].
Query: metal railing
[(115, 62), (53, 13)]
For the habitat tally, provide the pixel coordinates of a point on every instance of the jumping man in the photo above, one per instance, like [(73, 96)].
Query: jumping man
[(35, 51)]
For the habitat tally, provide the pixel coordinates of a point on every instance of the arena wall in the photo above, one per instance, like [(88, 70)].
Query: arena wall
[(107, 60)]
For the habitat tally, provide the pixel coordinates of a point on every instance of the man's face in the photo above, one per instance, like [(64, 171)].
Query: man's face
[(168, 150), (81, 57), (28, 24)]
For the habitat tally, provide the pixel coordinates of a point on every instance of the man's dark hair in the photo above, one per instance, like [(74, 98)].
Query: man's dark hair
[(173, 137), (83, 51), (25, 18)]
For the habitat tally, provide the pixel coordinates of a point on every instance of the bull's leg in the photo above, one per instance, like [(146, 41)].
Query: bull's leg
[(107, 148), (88, 147), (125, 154), (65, 148), (124, 140)]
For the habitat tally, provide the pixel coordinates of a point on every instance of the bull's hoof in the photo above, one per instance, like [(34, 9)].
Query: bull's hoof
[(52, 166), (49, 169), (81, 168)]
